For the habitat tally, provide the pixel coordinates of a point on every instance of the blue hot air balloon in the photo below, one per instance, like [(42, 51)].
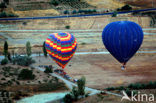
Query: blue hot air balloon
[(122, 39)]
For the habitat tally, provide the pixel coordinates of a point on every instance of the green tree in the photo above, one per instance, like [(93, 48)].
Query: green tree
[(6, 2), (126, 7), (48, 70), (114, 14), (28, 48), (26, 74), (74, 12), (66, 12), (4, 61), (68, 98), (75, 93), (55, 2), (2, 6), (9, 57), (44, 50), (5, 52), (81, 85), (67, 27)]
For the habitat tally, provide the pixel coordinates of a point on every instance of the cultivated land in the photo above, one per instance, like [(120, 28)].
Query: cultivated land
[(32, 8), (141, 3), (87, 30), (102, 70)]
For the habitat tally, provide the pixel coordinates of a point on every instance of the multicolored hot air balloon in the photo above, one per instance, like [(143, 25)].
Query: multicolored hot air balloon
[(61, 47), (122, 39)]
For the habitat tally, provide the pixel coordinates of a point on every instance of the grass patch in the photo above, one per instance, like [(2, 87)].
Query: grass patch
[(135, 86), (4, 15)]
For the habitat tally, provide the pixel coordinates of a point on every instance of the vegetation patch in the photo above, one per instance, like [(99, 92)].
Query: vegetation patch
[(4, 61), (4, 15), (26, 74), (134, 87), (23, 60), (76, 93), (48, 70)]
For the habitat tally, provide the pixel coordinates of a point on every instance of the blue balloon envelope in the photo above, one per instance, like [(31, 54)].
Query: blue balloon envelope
[(122, 39)]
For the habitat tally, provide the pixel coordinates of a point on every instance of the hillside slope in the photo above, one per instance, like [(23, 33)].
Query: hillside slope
[(32, 8), (141, 3), (105, 4)]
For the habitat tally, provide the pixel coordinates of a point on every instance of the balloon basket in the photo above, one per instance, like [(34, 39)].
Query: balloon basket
[(123, 68)]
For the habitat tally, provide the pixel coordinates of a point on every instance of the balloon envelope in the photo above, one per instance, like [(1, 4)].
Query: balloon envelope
[(61, 47), (122, 39)]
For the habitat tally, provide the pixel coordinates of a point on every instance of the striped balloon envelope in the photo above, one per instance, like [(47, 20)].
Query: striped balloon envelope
[(61, 47)]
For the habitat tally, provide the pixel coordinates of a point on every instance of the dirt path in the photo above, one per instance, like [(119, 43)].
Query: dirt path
[(71, 84)]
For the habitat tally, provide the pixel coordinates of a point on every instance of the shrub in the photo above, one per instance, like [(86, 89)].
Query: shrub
[(126, 7), (12, 15), (80, 11), (7, 69), (110, 88), (130, 86), (128, 92), (89, 11), (55, 2), (94, 10), (74, 12), (48, 70), (121, 88), (17, 82), (81, 85), (24, 23), (13, 80), (6, 1), (154, 83), (83, 43), (23, 60), (4, 61), (66, 12), (68, 98), (150, 85), (17, 95), (39, 82), (75, 93), (45, 80), (26, 74), (4, 14), (2, 5), (87, 94), (9, 82), (67, 27), (3, 79), (137, 86), (56, 80), (118, 9), (114, 14)]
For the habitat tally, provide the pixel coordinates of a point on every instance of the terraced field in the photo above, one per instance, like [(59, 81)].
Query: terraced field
[(87, 30)]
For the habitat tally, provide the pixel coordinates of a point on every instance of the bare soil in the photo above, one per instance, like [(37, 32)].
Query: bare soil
[(102, 71)]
